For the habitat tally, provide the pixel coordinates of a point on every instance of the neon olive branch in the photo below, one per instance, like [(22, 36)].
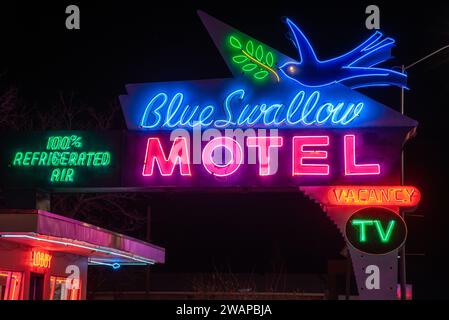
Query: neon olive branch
[(262, 65), (252, 58)]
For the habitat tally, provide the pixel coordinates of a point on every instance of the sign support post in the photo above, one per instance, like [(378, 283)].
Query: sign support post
[(402, 269)]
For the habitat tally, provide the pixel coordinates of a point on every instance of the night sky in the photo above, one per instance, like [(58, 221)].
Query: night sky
[(124, 42)]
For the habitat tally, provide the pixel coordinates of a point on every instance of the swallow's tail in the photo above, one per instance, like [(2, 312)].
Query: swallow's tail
[(374, 77)]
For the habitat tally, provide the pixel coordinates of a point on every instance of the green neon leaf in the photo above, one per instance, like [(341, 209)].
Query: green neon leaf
[(239, 59), (259, 53), (235, 42), (269, 59), (250, 47), (249, 67), (261, 74)]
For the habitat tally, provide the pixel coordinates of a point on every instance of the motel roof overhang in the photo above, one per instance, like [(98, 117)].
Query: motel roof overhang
[(52, 232)]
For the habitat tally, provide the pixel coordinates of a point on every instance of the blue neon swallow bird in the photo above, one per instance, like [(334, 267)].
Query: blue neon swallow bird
[(354, 69)]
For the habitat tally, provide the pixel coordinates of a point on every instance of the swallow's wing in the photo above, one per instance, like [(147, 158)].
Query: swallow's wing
[(374, 54), (305, 50), (371, 52)]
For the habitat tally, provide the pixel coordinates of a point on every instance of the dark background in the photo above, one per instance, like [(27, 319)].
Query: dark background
[(129, 42)]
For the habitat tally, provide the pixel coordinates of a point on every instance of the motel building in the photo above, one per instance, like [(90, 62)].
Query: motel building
[(44, 256)]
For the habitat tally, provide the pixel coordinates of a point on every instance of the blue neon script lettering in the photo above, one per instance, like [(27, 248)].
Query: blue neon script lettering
[(164, 111)]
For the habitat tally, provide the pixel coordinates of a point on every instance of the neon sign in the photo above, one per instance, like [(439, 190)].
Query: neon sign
[(60, 159), (354, 68), (270, 89), (229, 103), (351, 168), (62, 155), (175, 160), (264, 145), (165, 111), (299, 155), (178, 155), (41, 259), (401, 196), (226, 169), (362, 224), (376, 230)]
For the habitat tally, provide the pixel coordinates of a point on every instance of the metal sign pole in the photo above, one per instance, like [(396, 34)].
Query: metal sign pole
[(402, 268)]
